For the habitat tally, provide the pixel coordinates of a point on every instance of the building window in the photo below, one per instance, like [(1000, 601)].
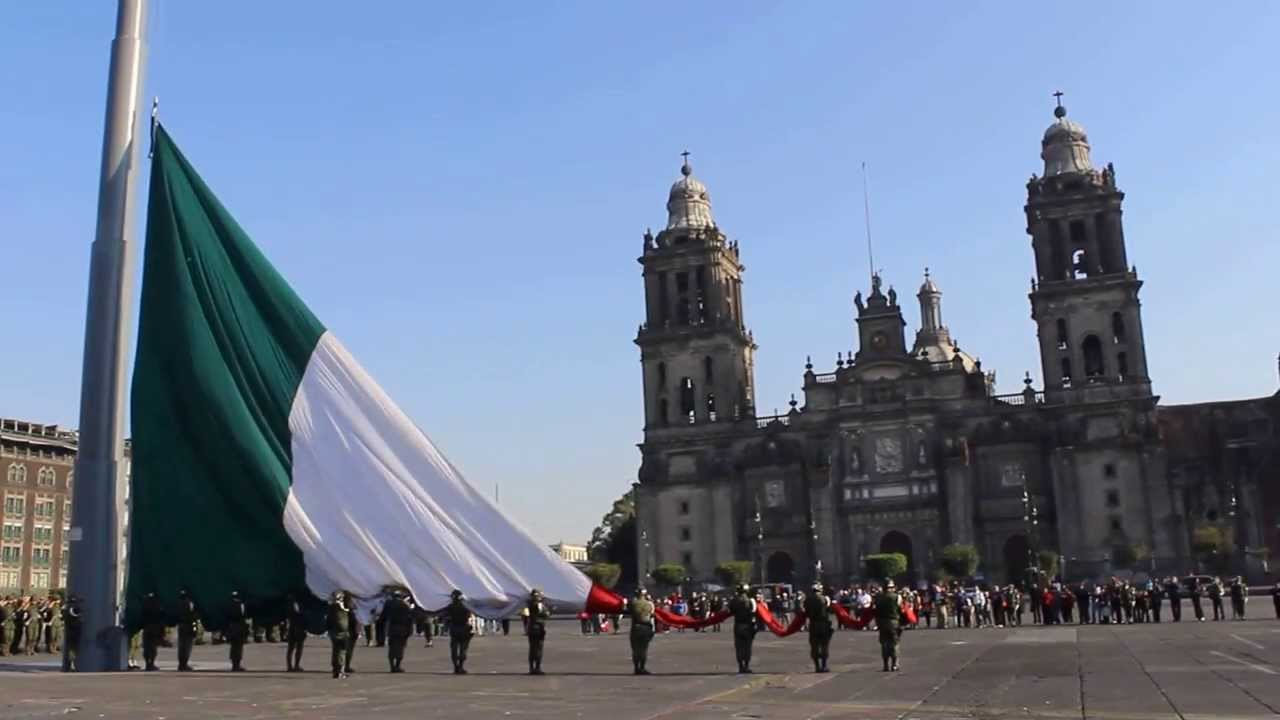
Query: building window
[(40, 557), (1109, 470), (687, 400), (47, 477), (1062, 333), (1117, 327), (13, 532), (711, 407), (1066, 372), (682, 298), (66, 514), (45, 507), (664, 300), (686, 534), (39, 580), (1122, 364), (11, 554), (71, 474), (15, 505), (17, 474), (9, 579), (1113, 498), (684, 507), (1094, 365), (1115, 524), (848, 494), (42, 535)]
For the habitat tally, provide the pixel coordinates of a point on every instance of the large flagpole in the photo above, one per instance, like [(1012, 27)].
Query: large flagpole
[(101, 466)]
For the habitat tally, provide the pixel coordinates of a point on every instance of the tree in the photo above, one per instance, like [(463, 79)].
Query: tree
[(959, 561), (1048, 562), (1212, 546), (883, 566), (668, 575), (604, 574), (735, 572), (1131, 555), (614, 540)]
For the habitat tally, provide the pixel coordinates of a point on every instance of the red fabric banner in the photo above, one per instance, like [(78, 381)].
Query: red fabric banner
[(666, 617), (775, 627)]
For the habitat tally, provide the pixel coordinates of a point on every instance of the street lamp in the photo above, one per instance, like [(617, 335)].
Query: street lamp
[(648, 561), (759, 539)]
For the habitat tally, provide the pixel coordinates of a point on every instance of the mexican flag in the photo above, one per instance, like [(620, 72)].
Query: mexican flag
[(267, 461)]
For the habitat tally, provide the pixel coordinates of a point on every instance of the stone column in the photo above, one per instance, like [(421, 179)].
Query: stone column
[(959, 501)]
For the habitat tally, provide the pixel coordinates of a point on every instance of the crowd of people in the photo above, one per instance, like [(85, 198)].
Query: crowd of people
[(29, 625)]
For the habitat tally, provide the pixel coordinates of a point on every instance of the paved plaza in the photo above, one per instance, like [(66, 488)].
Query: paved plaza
[(1187, 670)]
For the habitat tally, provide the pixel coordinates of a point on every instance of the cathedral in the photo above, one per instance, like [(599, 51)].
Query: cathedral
[(905, 446)]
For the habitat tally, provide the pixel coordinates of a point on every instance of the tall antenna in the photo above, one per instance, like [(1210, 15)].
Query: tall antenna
[(866, 211)]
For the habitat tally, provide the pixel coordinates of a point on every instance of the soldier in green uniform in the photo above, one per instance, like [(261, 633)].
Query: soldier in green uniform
[(188, 628), (818, 607), (889, 617), (152, 630), (237, 630), (399, 618), (338, 625), (71, 625), (459, 617), (743, 609), (295, 632), (538, 615), (642, 630)]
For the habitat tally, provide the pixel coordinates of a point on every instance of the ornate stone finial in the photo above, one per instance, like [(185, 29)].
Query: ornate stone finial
[(808, 363), (1027, 380), (1059, 111), (839, 359), (793, 402)]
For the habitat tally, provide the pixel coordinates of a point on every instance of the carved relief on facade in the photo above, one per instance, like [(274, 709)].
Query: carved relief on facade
[(888, 454)]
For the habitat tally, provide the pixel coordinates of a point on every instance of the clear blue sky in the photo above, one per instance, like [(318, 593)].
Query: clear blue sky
[(459, 189)]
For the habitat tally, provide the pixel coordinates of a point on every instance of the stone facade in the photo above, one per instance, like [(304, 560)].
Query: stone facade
[(905, 446)]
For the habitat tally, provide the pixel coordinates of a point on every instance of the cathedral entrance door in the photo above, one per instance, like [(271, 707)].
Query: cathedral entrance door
[(1015, 558), (780, 568), (899, 542)]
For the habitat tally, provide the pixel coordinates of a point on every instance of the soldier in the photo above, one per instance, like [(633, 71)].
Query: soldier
[(642, 630), (21, 620), (188, 628), (353, 632), (1196, 593), (153, 627), (338, 625), (4, 625), (237, 630), (1157, 599), (538, 615), (1239, 591), (889, 617), (70, 633), (1173, 591), (743, 609), (295, 633), (398, 615), (818, 607), (48, 613), (459, 618), (1215, 597)]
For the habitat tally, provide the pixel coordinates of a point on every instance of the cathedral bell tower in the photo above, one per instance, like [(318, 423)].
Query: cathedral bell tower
[(880, 324), (1084, 298), (696, 352)]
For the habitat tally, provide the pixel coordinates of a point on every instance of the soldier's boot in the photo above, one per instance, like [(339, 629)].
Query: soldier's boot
[(895, 663), (817, 665)]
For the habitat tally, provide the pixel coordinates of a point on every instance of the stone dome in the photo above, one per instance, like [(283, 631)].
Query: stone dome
[(1065, 148), (689, 203)]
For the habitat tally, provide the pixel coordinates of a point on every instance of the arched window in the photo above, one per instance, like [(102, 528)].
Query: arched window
[(1094, 363), (711, 407), (708, 369), (1078, 268), (1117, 327), (664, 412), (662, 377), (17, 474), (1122, 365), (687, 401), (1066, 372), (1062, 333)]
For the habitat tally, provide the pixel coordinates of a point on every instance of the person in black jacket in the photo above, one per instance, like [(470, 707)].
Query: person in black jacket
[(188, 628), (338, 625), (237, 630), (295, 633)]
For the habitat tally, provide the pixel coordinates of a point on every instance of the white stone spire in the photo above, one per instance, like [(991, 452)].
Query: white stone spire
[(689, 204)]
